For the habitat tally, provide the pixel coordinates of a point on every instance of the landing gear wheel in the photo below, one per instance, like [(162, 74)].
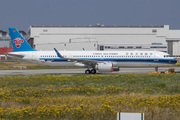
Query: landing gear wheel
[(93, 71), (156, 68), (88, 72)]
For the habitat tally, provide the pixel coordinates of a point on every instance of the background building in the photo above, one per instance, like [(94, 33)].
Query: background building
[(100, 37)]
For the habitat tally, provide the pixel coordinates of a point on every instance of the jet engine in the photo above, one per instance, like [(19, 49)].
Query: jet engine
[(116, 68), (104, 67)]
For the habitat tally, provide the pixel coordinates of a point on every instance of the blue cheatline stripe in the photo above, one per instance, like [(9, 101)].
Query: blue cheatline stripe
[(118, 60)]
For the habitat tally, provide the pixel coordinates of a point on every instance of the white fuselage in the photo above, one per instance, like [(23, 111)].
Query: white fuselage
[(118, 58)]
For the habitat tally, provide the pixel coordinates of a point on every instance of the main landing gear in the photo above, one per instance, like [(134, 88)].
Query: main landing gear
[(93, 71), (156, 68)]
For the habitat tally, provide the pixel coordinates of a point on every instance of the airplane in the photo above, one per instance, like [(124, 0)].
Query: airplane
[(101, 61)]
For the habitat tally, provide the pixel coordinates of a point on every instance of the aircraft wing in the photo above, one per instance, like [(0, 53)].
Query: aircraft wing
[(83, 61)]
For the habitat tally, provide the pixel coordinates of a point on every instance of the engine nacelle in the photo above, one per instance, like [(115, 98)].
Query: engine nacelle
[(104, 67), (116, 68)]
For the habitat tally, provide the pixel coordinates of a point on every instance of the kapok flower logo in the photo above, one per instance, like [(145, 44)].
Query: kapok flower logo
[(18, 42)]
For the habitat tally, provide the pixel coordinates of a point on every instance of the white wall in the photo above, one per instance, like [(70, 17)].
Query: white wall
[(174, 34), (57, 36), (4, 43)]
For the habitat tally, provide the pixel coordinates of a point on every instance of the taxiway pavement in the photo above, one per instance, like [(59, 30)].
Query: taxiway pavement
[(82, 71)]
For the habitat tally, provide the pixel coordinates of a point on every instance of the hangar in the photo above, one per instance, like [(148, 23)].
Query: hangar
[(102, 37)]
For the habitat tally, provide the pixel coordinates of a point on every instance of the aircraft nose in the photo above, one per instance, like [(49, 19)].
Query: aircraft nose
[(175, 61)]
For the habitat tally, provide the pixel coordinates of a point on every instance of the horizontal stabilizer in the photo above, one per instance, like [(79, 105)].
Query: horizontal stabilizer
[(15, 55)]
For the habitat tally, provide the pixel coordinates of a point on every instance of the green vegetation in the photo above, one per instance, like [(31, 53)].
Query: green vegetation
[(138, 83), (84, 97)]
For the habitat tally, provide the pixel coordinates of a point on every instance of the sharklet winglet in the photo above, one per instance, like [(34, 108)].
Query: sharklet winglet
[(58, 54)]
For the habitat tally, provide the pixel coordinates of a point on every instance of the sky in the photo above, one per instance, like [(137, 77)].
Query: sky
[(21, 14)]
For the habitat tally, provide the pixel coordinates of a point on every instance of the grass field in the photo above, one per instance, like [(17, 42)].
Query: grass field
[(84, 97)]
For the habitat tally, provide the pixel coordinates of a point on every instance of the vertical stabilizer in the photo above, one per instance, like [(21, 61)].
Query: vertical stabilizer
[(18, 42)]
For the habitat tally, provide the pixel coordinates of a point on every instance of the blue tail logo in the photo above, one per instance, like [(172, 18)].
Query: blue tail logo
[(18, 42)]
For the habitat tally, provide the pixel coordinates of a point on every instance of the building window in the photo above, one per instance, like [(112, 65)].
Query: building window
[(45, 30), (107, 47), (130, 47), (154, 30), (138, 47), (156, 43), (162, 46), (121, 47), (154, 46), (102, 47)]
